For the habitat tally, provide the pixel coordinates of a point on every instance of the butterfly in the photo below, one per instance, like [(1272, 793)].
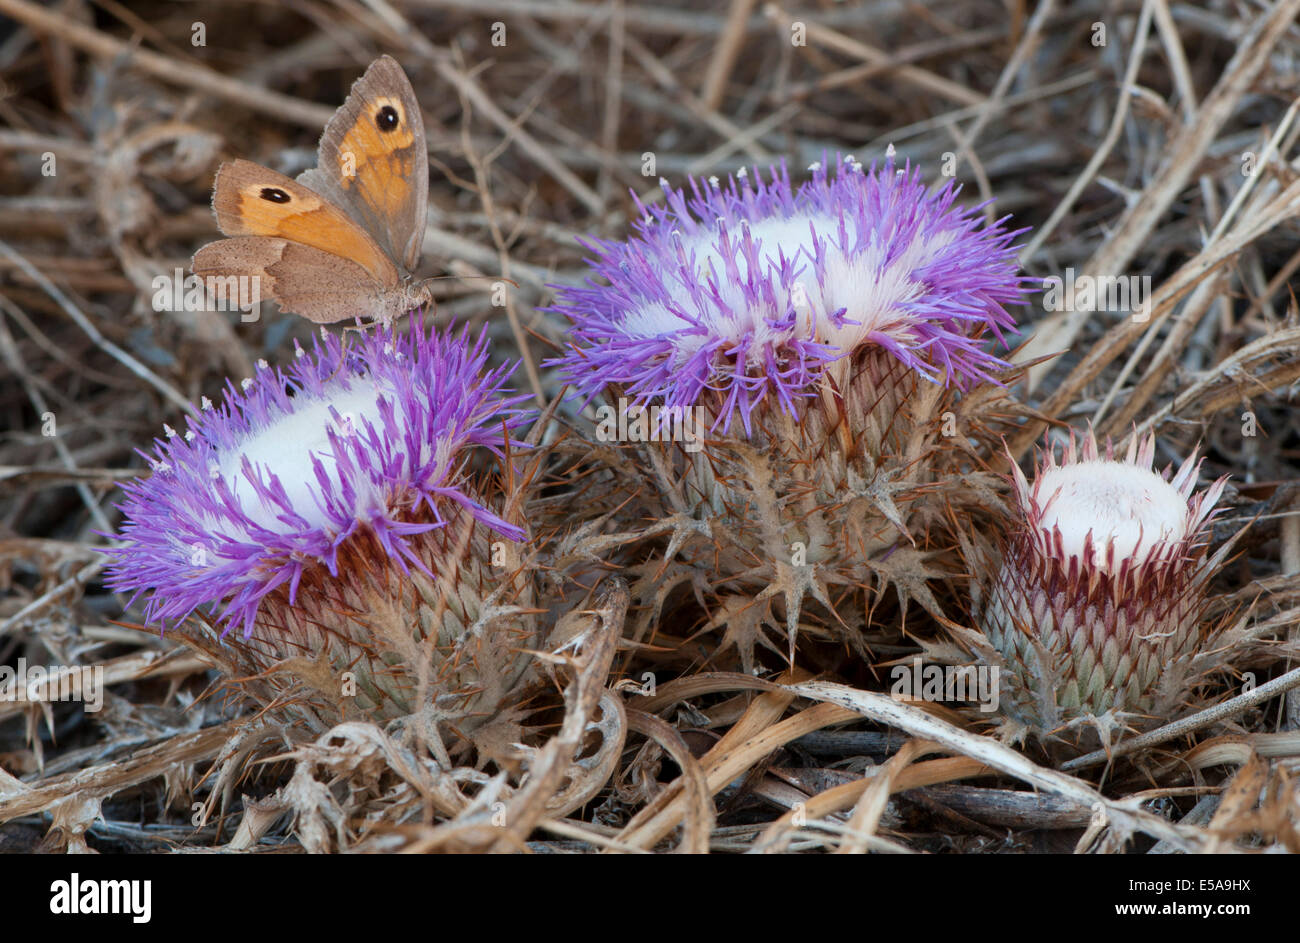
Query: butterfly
[(342, 240)]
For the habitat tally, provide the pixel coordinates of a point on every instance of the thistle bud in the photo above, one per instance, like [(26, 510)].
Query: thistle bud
[(1097, 606)]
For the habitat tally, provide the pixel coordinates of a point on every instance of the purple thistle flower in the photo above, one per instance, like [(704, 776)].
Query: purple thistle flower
[(369, 437), (755, 288)]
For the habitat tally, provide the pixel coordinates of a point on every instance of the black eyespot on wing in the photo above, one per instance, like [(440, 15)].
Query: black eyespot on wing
[(274, 195), (387, 119)]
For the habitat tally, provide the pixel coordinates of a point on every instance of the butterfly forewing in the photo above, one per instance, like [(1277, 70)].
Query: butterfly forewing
[(374, 164)]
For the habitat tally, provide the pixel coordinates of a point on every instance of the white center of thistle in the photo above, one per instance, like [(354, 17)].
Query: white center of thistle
[(1114, 501), (859, 281), (285, 447)]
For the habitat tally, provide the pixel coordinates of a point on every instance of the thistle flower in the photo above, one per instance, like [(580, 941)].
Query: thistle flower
[(794, 326), (739, 293), (327, 514), (1097, 608)]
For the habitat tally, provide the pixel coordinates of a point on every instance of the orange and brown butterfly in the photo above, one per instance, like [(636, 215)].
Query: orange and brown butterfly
[(342, 240)]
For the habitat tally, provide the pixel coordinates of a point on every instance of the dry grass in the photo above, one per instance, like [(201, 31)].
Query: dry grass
[(1124, 158)]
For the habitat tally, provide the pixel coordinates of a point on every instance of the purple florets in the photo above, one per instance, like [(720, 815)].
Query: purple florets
[(277, 478), (753, 288)]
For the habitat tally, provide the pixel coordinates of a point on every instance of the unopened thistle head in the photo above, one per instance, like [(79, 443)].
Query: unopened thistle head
[(322, 534), (1097, 607), (781, 332)]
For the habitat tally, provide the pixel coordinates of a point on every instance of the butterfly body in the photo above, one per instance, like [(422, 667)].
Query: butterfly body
[(342, 240)]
